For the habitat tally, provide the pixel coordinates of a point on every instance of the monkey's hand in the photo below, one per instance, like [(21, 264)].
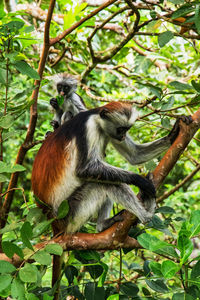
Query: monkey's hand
[(176, 128), (146, 186), (54, 124), (54, 103), (148, 202)]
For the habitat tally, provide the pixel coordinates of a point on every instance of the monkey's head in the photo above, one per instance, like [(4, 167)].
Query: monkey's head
[(116, 119), (66, 85)]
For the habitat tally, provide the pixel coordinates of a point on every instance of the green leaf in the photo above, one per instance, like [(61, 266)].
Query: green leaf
[(151, 242), (70, 273), (42, 257), (156, 268), (113, 297), (169, 251), (17, 289), (90, 291), (5, 281), (153, 14), (177, 1), (185, 246), (16, 24), (165, 122), (182, 296), (164, 38), (169, 104), (47, 297), (31, 296), (28, 273), (7, 121), (157, 285), (2, 76), (95, 271), (129, 289), (54, 249), (165, 210), (180, 86), (94, 293), (194, 221), (9, 228), (60, 100), (195, 271), (90, 255), (41, 227), (3, 178), (5, 168), (2, 12), (6, 267), (169, 268), (26, 69), (63, 210), (17, 168), (196, 85), (27, 234), (34, 215), (182, 11), (10, 249)]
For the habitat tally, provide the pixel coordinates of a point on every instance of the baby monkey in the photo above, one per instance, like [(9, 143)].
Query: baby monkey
[(68, 103)]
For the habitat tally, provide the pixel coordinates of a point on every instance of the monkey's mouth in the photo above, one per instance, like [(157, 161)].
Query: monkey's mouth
[(121, 138)]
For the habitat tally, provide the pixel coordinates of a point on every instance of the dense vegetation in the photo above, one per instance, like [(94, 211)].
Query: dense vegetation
[(146, 53)]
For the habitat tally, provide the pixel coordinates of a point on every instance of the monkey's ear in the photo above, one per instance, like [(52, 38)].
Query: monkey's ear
[(104, 113)]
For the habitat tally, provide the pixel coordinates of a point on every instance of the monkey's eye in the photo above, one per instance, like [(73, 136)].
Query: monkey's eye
[(122, 130), (66, 89), (59, 87)]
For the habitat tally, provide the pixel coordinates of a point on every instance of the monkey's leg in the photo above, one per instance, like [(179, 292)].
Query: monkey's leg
[(104, 220), (89, 199), (123, 194)]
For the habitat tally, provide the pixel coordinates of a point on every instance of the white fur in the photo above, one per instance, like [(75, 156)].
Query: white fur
[(134, 116), (95, 140)]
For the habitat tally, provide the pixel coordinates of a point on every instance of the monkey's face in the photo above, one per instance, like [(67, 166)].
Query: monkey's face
[(63, 89), (115, 125)]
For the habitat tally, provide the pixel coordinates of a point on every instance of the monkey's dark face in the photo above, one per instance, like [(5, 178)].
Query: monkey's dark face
[(63, 88), (121, 132)]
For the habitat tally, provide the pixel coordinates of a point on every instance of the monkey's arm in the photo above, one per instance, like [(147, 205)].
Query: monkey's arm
[(98, 171), (140, 153)]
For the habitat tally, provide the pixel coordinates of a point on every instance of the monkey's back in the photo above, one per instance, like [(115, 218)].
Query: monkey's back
[(53, 170)]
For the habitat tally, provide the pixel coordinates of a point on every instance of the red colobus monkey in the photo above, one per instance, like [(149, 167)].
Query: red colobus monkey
[(69, 166), (72, 103)]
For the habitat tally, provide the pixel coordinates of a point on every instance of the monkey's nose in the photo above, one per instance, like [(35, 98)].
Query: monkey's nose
[(62, 93)]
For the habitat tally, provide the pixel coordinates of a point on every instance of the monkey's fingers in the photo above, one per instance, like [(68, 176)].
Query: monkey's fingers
[(186, 119), (54, 124), (54, 103)]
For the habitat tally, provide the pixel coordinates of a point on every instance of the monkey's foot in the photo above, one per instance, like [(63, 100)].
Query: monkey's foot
[(109, 222)]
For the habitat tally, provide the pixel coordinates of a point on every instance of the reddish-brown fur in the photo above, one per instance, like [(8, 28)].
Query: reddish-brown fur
[(44, 174), (117, 106)]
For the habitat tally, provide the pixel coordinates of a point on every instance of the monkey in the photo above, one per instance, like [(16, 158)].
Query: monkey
[(69, 166), (134, 153), (72, 102)]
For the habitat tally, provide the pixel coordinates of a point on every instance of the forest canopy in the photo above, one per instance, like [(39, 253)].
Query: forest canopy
[(145, 53)]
